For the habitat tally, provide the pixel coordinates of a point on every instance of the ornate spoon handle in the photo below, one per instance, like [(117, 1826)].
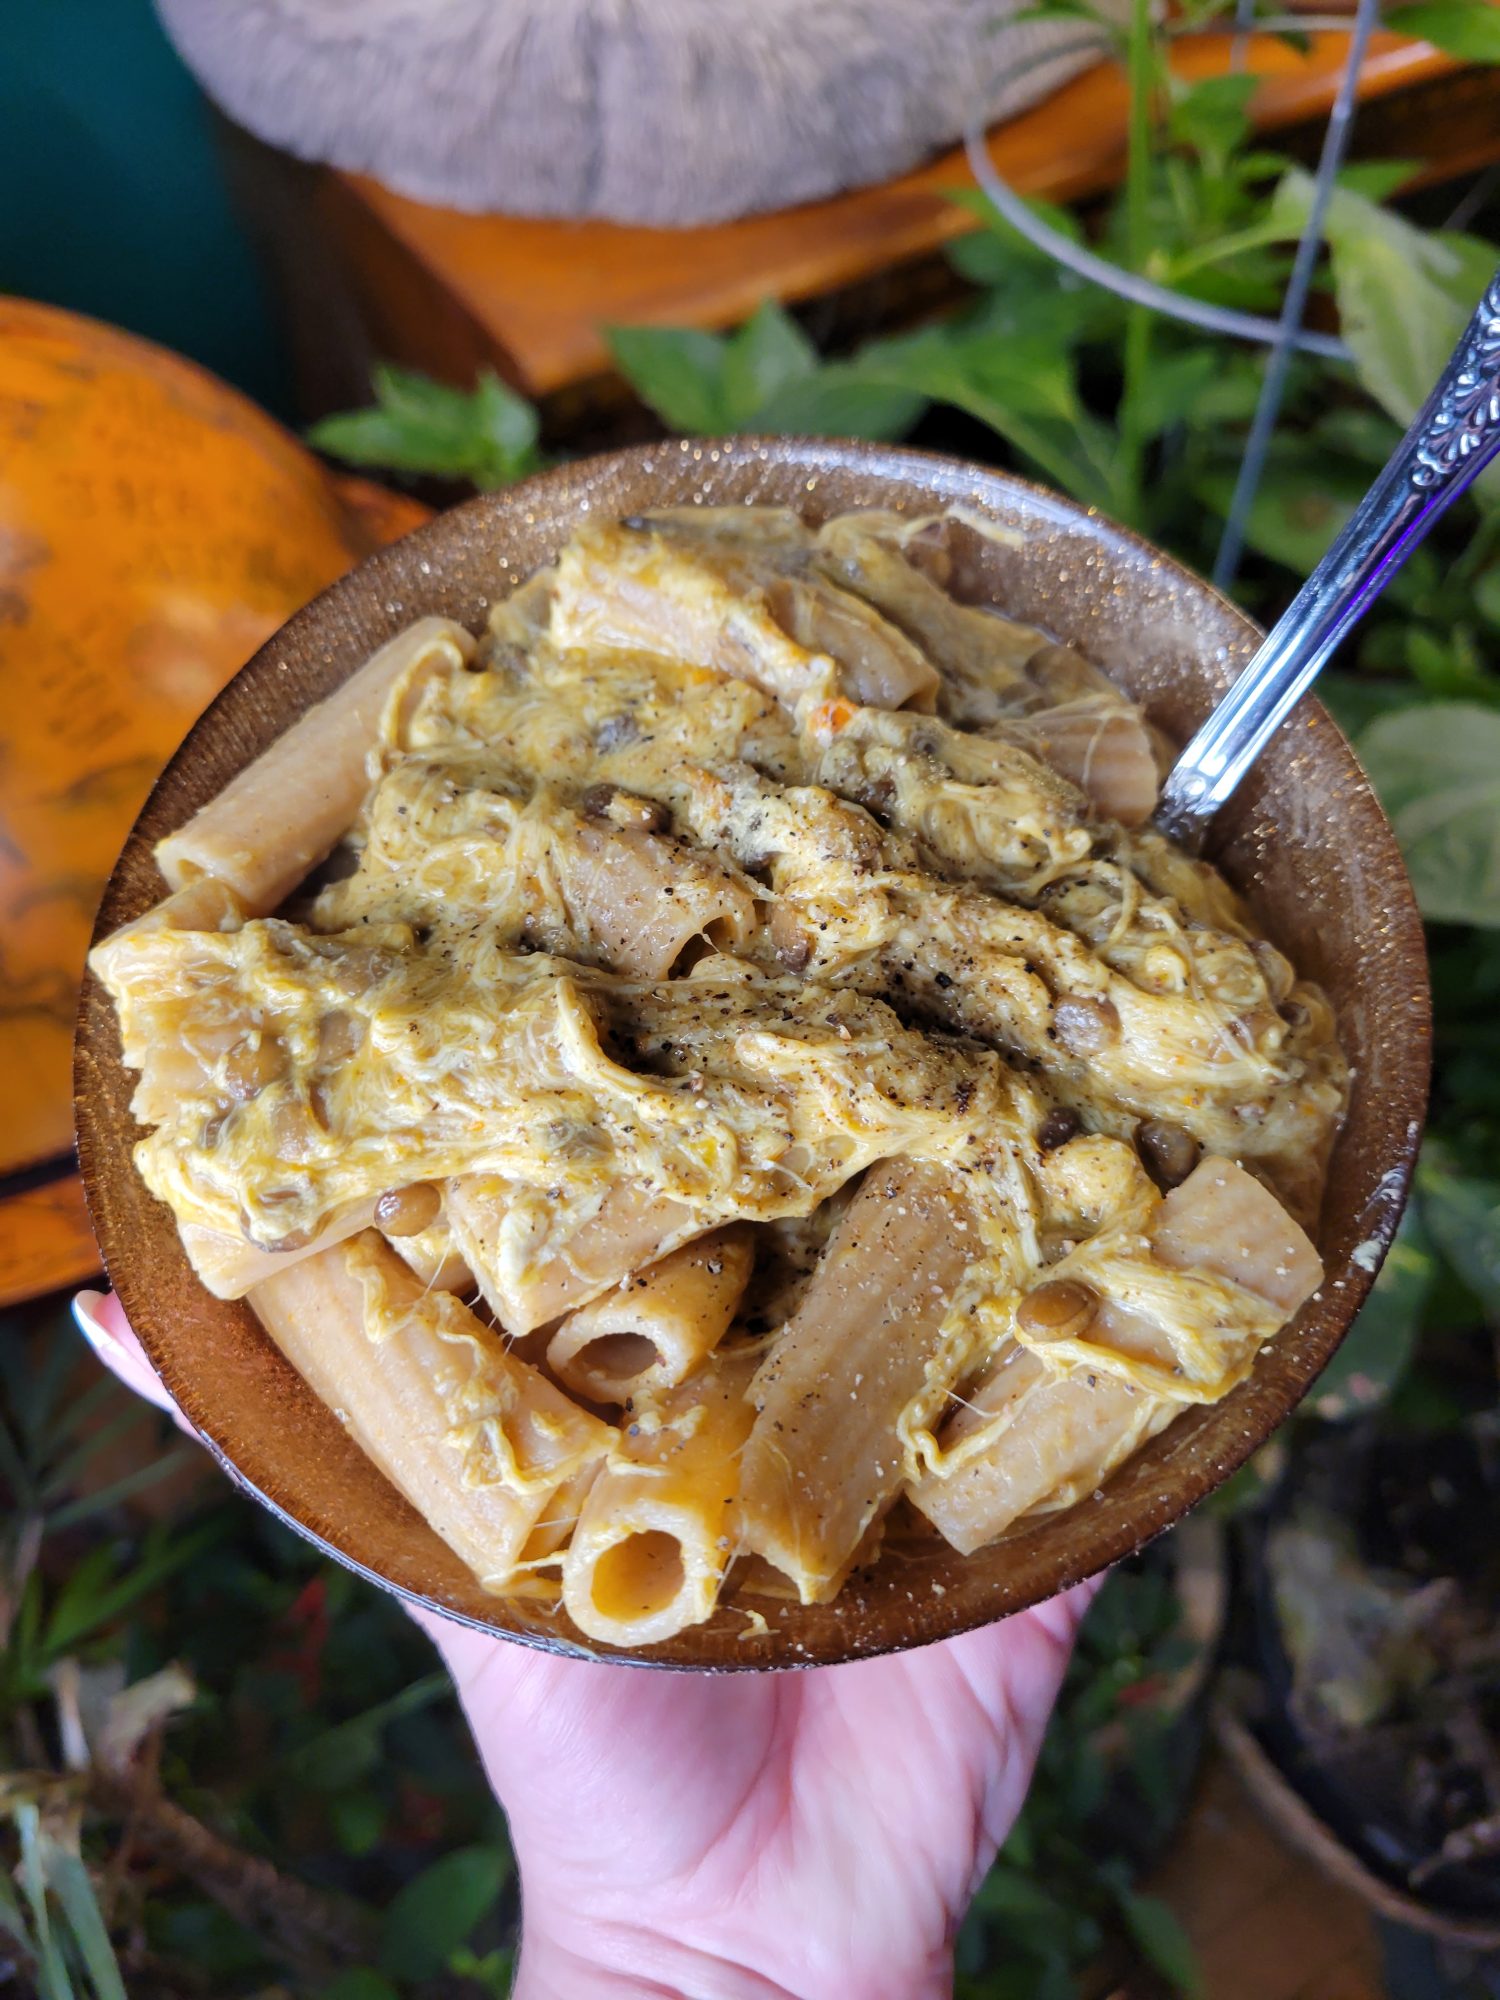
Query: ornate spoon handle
[(1455, 435)]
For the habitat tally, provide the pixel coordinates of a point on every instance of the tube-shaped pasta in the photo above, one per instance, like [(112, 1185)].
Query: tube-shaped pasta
[(1039, 1433), (1105, 748), (639, 901), (653, 1330), (481, 1444), (824, 1461), (730, 611), (631, 1228), (982, 656), (203, 905), (1028, 1440), (876, 661), (657, 1531), (605, 885), (559, 1518), (172, 1066), (230, 1266), (1005, 676), (287, 810), (615, 589), (1221, 1220)]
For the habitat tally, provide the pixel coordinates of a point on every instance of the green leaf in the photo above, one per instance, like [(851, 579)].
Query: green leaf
[(495, 1972), (1358, 700), (1213, 116), (1025, 390), (508, 428), (1162, 1941), (1057, 10), (1467, 29), (1296, 512), (69, 1881), (87, 1505), (1487, 595), (360, 1983), (350, 1750), (12, 1917), (434, 1914), (1437, 770), (1446, 665), (769, 353), (766, 377), (487, 435), (32, 1876), (1404, 293), (1462, 1216), (1377, 180), (36, 1376), (358, 1819), (1375, 1352), (1229, 395), (1362, 434), (1007, 1892), (1003, 240), (844, 399), (92, 1596), (1168, 393), (677, 371), (213, 1941), (64, 1472)]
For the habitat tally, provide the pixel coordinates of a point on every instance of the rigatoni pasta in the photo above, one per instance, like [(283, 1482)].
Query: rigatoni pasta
[(479, 1442), (247, 837), (658, 1529), (747, 1070), (657, 1325)]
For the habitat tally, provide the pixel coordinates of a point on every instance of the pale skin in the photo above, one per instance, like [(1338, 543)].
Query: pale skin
[(759, 1837)]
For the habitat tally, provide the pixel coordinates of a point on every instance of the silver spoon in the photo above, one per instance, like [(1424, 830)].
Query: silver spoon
[(1455, 435)]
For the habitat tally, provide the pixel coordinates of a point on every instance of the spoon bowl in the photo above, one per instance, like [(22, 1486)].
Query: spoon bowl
[(1303, 837)]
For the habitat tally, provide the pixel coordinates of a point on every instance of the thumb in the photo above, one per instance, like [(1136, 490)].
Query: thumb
[(102, 1322)]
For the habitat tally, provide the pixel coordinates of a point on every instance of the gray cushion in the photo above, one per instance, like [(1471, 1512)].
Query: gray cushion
[(656, 111)]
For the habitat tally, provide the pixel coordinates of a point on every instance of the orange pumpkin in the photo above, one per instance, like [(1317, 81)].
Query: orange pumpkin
[(155, 527)]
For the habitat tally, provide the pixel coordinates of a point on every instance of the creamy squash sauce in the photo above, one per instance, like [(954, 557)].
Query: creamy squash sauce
[(741, 857)]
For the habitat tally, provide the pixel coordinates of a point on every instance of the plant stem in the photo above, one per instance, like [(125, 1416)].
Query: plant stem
[(301, 1923), (1140, 65)]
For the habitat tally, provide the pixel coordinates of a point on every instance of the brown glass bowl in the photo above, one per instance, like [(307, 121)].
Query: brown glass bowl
[(1304, 838)]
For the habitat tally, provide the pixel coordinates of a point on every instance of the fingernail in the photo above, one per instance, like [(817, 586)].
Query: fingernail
[(86, 1306)]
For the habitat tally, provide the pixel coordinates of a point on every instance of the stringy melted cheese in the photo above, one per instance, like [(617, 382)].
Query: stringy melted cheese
[(922, 940)]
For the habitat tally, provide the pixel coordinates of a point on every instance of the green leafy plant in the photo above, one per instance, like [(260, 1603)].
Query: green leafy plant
[(1467, 29), (187, 1691), (1066, 1877), (766, 377), (487, 435)]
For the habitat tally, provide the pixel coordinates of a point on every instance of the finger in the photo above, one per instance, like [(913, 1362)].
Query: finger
[(102, 1322), (466, 1652), (1015, 1670)]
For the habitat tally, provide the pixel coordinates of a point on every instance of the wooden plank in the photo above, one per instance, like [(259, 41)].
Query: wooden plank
[(45, 1241), (534, 293), (1264, 1924)]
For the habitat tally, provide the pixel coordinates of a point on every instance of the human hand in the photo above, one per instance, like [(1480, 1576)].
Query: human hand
[(788, 1836)]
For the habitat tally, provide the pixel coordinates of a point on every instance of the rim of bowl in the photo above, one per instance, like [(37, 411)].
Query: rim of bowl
[(887, 462)]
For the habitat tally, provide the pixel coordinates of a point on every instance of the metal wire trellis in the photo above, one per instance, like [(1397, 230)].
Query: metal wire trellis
[(1285, 335)]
